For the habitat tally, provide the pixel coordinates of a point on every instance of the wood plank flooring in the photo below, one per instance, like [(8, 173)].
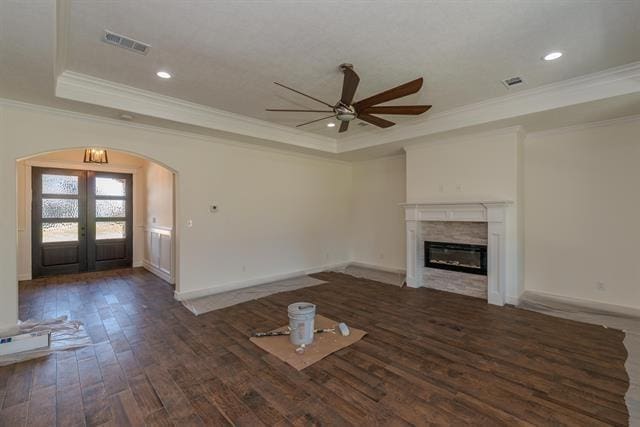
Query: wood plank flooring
[(430, 358)]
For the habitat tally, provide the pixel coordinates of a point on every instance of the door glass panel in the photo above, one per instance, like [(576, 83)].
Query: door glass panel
[(59, 208), (110, 186), (59, 184), (59, 232), (110, 230), (110, 209)]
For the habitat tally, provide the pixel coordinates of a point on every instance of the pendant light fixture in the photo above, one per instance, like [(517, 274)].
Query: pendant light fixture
[(95, 155)]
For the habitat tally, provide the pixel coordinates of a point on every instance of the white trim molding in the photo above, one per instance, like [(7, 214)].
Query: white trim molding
[(616, 81), (158, 252), (605, 84), (495, 213), (92, 90)]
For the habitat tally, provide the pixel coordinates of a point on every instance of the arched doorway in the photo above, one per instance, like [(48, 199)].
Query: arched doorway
[(134, 230)]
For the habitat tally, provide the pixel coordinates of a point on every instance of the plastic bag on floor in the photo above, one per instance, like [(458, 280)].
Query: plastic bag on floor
[(65, 335)]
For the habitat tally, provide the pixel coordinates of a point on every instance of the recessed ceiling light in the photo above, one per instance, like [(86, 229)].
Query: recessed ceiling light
[(163, 75), (331, 125), (552, 55)]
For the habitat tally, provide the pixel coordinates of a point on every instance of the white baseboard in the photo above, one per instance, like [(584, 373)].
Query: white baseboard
[(24, 276), (581, 302), (164, 275), (137, 264), (231, 286), (378, 267), (513, 300)]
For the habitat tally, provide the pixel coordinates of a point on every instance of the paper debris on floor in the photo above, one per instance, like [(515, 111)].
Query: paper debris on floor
[(628, 323), (323, 344), (390, 278), (65, 335), (226, 299)]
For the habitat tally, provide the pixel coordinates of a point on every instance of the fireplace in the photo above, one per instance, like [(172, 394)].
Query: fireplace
[(456, 257)]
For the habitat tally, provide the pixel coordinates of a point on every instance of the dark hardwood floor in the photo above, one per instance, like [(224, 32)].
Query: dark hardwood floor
[(430, 358)]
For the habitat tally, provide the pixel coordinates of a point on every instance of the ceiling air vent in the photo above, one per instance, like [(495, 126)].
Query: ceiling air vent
[(513, 81), (125, 42)]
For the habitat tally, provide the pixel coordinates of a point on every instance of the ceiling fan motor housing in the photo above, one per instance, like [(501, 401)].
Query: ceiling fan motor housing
[(345, 113)]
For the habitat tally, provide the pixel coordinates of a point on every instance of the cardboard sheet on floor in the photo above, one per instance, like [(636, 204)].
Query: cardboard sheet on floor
[(323, 344)]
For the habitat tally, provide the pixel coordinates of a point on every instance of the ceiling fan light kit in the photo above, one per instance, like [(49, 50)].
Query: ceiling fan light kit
[(346, 110)]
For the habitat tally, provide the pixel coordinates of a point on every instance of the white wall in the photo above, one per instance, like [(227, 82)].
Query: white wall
[(158, 195), (279, 212), (73, 159), (582, 213), (159, 229), (481, 167), (378, 227), (484, 167)]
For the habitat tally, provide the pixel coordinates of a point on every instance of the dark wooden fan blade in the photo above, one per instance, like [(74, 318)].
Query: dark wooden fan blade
[(304, 94), (317, 120), (389, 95), (299, 111), (375, 120), (398, 109), (349, 85), (343, 127)]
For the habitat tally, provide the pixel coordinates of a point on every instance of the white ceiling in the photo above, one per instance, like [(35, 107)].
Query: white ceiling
[(226, 54)]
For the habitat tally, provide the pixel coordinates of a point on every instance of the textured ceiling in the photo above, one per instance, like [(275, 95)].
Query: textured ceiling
[(227, 54)]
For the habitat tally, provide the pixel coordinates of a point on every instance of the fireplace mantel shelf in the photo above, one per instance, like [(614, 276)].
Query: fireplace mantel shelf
[(457, 203)]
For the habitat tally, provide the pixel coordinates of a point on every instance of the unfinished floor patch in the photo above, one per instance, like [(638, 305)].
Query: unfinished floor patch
[(629, 324), (387, 277), (323, 344), (226, 299)]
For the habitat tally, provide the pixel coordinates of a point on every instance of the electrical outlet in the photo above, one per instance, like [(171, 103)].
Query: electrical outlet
[(600, 286), (244, 268), (189, 223), (153, 220)]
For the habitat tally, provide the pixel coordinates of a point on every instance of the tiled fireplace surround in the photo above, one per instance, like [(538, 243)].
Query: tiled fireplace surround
[(474, 233), (483, 223)]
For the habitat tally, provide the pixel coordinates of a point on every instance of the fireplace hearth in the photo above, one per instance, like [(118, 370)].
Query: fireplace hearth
[(461, 257)]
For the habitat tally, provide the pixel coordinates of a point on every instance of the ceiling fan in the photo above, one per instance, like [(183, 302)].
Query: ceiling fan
[(346, 110)]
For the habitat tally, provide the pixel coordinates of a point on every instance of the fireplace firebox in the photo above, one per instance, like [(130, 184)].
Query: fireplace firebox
[(456, 257)]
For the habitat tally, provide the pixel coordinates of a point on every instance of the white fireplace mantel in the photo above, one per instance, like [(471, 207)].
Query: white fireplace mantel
[(494, 213)]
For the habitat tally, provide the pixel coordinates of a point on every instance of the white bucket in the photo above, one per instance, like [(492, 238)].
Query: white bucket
[(301, 322)]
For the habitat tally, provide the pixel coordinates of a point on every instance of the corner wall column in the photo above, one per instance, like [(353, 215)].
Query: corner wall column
[(414, 272)]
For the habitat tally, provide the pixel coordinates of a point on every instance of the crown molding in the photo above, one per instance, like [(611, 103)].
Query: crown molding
[(92, 90), (476, 137), (601, 85), (605, 84), (584, 126), (19, 105)]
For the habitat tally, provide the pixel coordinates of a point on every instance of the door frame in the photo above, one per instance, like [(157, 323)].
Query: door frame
[(37, 245), (138, 220), (92, 263)]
